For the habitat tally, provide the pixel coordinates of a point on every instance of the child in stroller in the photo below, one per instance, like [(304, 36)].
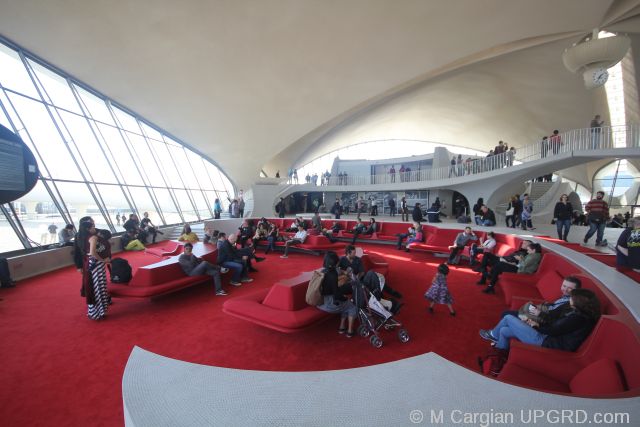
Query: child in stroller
[(374, 311)]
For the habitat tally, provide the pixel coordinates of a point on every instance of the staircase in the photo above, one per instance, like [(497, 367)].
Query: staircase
[(538, 189)]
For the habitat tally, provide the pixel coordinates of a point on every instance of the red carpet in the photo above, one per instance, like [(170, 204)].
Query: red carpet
[(59, 368)]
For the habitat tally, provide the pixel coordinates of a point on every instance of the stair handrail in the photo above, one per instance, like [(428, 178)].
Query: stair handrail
[(584, 139)]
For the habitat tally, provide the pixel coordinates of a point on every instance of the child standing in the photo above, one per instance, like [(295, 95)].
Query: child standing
[(439, 292)]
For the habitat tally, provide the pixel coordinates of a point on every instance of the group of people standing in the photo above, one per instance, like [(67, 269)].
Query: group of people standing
[(519, 212)]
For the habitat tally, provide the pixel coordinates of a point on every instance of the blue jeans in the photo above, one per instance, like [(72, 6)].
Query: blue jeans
[(487, 223), (345, 308), (478, 219), (593, 227), (271, 243), (237, 269), (563, 224), (512, 327)]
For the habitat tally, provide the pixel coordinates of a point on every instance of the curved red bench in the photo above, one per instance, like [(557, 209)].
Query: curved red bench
[(163, 277), (168, 248), (439, 239), (281, 307), (605, 365)]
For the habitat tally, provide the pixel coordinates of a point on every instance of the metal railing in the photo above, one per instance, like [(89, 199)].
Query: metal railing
[(586, 139)]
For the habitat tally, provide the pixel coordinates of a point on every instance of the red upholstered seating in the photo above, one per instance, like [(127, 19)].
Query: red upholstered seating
[(390, 230), (439, 239), (606, 298), (282, 307), (167, 249), (376, 263), (604, 366), (163, 277), (542, 285)]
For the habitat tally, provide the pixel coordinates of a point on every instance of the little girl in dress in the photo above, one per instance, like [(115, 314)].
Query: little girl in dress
[(439, 292)]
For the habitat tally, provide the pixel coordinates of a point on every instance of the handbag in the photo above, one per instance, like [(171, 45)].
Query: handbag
[(510, 211)]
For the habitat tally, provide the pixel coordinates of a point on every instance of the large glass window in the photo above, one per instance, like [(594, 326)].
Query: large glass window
[(97, 155), (36, 212)]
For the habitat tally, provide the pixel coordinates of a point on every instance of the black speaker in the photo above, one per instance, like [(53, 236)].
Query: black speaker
[(18, 167)]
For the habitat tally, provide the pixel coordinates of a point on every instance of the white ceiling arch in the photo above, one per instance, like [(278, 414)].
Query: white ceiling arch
[(251, 82)]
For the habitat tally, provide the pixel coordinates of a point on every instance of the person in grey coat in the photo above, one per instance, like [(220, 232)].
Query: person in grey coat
[(194, 266)]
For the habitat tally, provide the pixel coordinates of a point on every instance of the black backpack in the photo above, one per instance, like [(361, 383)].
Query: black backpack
[(120, 271)]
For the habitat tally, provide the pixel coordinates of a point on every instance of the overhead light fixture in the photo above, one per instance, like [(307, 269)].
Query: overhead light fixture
[(592, 56)]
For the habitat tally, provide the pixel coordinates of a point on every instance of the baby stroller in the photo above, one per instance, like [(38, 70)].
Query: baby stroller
[(374, 312)]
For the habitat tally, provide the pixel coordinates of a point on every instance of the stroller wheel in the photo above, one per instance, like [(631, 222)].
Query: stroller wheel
[(375, 341), (363, 331), (403, 336)]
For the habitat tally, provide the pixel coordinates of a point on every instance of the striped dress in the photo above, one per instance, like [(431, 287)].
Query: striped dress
[(98, 277)]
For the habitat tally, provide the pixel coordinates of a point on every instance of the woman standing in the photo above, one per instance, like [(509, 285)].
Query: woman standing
[(94, 277), (217, 209), (527, 210), (477, 213), (562, 216)]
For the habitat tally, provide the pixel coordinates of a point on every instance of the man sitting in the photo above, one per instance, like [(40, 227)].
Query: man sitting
[(65, 236), (262, 232), (194, 266), (350, 263), (229, 257), (486, 247), (527, 264), (458, 245), (316, 222), (148, 227), (298, 239), (545, 311), (272, 237), (368, 230), (487, 217), (489, 259)]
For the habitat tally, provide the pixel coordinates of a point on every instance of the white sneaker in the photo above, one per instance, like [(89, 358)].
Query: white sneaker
[(247, 280), (232, 283), (221, 293), (224, 270), (283, 256)]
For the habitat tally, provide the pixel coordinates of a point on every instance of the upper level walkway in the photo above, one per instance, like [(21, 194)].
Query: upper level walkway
[(568, 149), (477, 178)]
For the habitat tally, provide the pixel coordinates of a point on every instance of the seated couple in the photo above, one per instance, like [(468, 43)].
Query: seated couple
[(361, 228), (486, 246), (316, 224), (414, 234), (518, 262), (562, 325)]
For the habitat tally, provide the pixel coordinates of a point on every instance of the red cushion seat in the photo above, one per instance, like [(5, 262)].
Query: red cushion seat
[(282, 307)]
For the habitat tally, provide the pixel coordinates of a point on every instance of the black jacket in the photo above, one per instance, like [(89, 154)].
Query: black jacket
[(489, 215), (227, 252), (416, 215), (562, 211), (568, 332)]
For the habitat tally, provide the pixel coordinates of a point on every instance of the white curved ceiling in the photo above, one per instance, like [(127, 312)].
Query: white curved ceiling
[(254, 83)]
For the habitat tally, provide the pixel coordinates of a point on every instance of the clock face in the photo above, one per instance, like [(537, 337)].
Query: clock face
[(600, 76)]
